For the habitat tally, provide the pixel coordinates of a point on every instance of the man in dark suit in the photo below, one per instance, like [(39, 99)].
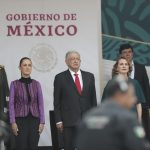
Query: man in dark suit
[(74, 94), (139, 73)]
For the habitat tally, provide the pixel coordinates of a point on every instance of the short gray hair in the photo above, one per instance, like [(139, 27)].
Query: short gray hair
[(71, 52)]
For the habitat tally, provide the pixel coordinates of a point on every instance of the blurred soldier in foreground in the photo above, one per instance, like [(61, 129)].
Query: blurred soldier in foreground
[(112, 126)]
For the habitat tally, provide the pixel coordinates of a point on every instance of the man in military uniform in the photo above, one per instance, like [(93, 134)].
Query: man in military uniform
[(113, 126), (4, 92)]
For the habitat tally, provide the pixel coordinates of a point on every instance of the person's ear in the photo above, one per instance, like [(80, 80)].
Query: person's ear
[(66, 61)]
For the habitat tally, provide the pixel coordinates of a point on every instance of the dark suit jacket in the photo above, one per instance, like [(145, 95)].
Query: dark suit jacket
[(141, 76), (69, 105)]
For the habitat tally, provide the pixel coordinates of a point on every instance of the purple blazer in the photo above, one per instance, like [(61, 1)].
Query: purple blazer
[(18, 101)]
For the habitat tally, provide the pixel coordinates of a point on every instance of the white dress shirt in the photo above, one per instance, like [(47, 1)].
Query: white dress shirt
[(79, 75), (133, 70)]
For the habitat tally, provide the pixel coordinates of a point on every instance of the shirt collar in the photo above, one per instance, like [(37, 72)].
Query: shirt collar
[(132, 63), (72, 72)]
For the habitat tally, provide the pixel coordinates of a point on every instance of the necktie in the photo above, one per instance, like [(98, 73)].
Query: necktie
[(77, 83)]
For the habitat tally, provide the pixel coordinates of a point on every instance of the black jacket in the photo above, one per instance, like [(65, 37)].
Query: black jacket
[(141, 76), (69, 105), (111, 127)]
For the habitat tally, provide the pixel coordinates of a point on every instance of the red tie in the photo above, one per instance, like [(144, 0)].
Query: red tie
[(77, 82)]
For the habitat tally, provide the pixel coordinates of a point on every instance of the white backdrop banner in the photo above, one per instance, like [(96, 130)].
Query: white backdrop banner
[(45, 30)]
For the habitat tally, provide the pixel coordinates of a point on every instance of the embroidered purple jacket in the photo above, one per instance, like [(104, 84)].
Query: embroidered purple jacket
[(18, 101)]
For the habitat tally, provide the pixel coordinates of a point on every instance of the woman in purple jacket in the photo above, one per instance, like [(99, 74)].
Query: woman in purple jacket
[(26, 108)]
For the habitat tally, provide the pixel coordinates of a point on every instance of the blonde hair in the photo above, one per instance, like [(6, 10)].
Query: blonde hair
[(115, 71)]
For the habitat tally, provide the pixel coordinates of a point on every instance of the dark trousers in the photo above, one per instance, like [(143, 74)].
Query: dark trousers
[(28, 135), (146, 121), (69, 138)]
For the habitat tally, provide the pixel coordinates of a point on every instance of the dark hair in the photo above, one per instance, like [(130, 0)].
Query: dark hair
[(22, 59), (114, 70), (125, 46), (118, 84)]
